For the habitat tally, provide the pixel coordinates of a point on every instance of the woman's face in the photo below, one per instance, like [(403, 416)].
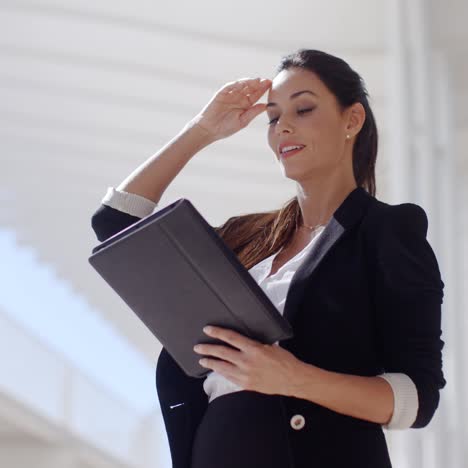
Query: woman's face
[(311, 118)]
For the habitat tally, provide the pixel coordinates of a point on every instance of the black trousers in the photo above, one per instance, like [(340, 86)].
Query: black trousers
[(250, 430), (241, 430)]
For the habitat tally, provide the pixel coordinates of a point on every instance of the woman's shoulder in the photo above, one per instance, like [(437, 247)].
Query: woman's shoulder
[(384, 217)]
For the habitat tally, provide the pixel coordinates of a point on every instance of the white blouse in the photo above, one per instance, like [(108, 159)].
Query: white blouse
[(276, 287)]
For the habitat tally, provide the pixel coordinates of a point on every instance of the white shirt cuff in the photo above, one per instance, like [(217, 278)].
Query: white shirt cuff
[(130, 203), (406, 399)]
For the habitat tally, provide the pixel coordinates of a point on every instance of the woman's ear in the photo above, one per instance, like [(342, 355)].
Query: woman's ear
[(356, 119)]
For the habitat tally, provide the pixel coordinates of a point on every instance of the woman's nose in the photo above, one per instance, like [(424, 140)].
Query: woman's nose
[(282, 126)]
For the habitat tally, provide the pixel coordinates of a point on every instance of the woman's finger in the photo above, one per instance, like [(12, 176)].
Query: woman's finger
[(251, 113), (251, 93), (254, 83), (258, 92), (223, 352)]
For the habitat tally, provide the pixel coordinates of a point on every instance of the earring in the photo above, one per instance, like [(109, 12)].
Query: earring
[(348, 137)]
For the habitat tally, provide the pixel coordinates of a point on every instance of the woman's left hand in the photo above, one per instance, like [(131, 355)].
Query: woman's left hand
[(255, 366)]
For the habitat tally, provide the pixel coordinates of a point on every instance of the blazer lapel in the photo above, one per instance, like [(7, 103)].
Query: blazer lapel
[(345, 216)]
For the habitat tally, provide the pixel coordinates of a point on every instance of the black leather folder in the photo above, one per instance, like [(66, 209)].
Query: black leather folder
[(177, 275)]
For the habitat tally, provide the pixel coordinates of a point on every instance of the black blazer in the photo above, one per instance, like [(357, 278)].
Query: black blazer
[(366, 300)]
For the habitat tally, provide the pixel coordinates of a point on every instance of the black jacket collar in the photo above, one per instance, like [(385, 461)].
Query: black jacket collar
[(351, 210)]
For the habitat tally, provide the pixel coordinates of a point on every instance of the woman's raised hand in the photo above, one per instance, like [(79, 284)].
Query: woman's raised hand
[(232, 107)]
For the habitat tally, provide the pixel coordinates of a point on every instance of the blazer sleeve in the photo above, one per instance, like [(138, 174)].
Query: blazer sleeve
[(182, 398), (409, 296), (119, 210)]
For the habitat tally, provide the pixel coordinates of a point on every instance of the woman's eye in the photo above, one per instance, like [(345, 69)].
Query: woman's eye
[(300, 111)]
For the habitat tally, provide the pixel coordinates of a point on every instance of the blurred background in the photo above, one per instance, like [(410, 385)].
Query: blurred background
[(89, 90)]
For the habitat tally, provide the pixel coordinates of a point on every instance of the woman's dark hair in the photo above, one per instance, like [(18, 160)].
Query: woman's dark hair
[(256, 236)]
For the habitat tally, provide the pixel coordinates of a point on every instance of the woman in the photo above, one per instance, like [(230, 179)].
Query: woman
[(354, 276)]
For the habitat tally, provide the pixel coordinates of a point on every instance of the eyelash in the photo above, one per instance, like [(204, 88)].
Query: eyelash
[(300, 111)]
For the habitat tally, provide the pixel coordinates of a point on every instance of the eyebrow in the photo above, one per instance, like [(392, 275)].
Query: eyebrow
[(293, 95)]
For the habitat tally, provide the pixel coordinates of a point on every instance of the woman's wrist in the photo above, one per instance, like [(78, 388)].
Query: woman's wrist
[(199, 133), (301, 383)]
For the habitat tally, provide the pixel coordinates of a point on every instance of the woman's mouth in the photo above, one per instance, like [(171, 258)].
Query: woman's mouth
[(288, 154)]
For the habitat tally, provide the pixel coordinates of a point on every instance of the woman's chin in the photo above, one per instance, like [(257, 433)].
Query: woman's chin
[(292, 173), (299, 172)]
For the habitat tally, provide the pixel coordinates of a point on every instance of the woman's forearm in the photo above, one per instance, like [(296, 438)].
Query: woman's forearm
[(153, 176), (369, 398)]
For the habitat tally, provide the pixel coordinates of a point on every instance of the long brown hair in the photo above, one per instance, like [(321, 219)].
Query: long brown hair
[(256, 236)]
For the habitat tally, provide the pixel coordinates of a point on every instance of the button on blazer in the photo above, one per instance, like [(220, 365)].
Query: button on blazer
[(365, 300)]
